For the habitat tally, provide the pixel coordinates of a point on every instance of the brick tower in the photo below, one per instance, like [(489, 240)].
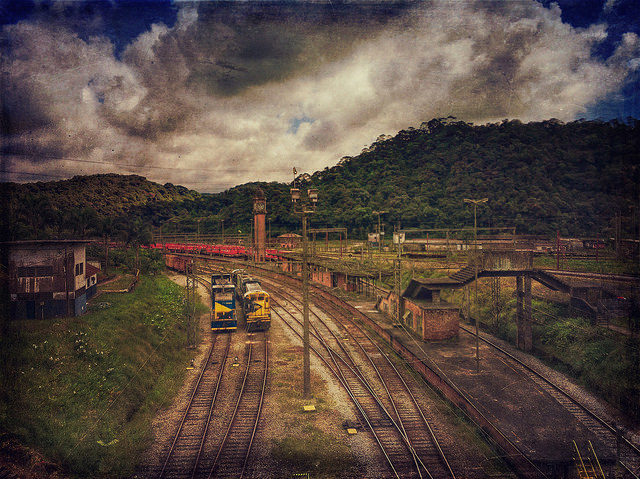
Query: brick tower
[(259, 230)]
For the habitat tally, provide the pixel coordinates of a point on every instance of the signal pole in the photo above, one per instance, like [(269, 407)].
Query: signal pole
[(475, 240), (304, 210)]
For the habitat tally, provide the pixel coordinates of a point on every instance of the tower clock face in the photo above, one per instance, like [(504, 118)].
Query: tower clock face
[(260, 206)]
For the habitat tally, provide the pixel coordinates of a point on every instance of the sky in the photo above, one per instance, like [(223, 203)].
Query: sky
[(211, 94)]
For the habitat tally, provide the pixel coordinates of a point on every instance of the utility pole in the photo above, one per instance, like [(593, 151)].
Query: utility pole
[(191, 299), (379, 229), (475, 240), (379, 246), (304, 210), (398, 279)]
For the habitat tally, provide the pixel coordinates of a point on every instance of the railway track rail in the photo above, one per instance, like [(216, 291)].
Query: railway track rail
[(233, 453), (381, 395), (429, 372), (629, 452), (184, 454), (214, 438)]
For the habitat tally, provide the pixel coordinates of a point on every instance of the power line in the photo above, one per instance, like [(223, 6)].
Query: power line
[(70, 175), (128, 165)]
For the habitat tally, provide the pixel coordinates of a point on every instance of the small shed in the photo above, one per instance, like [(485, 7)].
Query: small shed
[(427, 314)]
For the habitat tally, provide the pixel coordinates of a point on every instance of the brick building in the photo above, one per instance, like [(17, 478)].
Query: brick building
[(422, 311)]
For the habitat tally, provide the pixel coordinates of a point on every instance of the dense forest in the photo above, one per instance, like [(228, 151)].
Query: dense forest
[(540, 177)]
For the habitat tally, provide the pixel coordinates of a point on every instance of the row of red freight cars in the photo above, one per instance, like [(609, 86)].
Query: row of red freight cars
[(233, 251)]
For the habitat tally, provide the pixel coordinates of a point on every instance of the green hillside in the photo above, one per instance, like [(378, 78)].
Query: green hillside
[(79, 206), (540, 177)]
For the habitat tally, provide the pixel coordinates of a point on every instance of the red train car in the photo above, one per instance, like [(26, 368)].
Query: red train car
[(230, 251)]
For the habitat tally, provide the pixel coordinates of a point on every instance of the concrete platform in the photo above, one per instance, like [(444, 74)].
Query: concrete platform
[(527, 415)]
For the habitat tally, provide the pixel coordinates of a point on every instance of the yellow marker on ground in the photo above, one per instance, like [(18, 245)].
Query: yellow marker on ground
[(309, 408), (352, 430)]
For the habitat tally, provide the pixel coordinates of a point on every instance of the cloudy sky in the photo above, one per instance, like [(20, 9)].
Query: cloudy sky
[(213, 94)]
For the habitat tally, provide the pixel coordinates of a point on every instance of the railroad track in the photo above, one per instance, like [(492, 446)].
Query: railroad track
[(214, 438), (380, 393), (232, 456), (515, 456), (629, 452), (185, 452)]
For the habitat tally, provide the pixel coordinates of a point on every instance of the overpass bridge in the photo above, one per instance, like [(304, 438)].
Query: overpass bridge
[(584, 298)]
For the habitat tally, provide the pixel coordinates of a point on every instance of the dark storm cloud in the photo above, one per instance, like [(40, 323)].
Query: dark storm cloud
[(222, 83)]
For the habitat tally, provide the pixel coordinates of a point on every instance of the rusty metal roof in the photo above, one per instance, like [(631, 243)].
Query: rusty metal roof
[(44, 242)]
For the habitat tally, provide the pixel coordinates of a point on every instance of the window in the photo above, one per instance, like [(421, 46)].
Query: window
[(34, 271), (79, 269)]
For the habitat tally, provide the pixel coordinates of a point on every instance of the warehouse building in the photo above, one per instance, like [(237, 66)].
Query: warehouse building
[(47, 278)]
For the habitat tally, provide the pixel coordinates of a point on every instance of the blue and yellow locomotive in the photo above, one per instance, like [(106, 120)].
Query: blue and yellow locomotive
[(255, 301), (223, 303)]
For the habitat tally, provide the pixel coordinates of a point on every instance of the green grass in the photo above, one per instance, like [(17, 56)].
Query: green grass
[(318, 454), (604, 361), (612, 266), (84, 390)]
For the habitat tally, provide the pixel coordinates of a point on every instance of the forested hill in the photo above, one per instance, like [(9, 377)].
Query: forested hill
[(79, 206), (540, 177)]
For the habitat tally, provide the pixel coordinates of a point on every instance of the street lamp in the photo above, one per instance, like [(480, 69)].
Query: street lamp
[(475, 241), (304, 209)]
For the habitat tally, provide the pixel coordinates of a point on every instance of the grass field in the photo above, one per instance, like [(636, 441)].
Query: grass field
[(83, 391)]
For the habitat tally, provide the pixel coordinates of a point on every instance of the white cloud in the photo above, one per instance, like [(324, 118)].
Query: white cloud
[(222, 96)]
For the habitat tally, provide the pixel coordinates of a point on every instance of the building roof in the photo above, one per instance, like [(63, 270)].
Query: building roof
[(45, 242), (416, 287), (290, 235), (91, 270)]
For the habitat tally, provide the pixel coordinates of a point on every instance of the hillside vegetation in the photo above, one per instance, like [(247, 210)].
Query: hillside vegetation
[(540, 177), (84, 390)]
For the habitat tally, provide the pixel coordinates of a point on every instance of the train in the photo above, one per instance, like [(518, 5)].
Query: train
[(230, 251), (225, 290), (223, 303), (255, 301)]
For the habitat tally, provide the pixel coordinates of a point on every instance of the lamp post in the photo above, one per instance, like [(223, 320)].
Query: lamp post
[(475, 241), (304, 209)]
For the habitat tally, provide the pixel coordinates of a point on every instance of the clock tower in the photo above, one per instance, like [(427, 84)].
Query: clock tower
[(259, 230)]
